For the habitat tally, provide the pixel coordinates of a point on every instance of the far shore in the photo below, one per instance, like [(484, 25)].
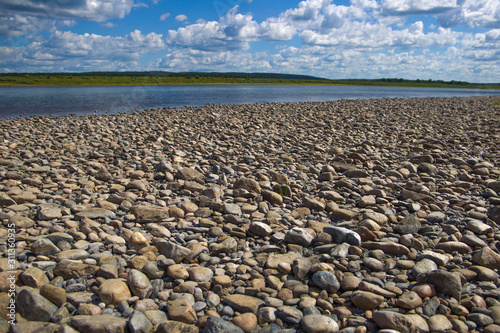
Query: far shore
[(41, 80)]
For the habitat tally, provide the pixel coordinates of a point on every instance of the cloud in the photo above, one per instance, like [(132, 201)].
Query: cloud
[(95, 10), (417, 7), (473, 13), (66, 51), (21, 25), (181, 18), (164, 16), (198, 60), (109, 25)]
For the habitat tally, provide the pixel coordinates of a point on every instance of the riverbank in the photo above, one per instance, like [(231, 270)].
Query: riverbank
[(352, 215), (162, 78)]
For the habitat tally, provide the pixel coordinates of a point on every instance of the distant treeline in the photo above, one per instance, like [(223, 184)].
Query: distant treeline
[(452, 82), (218, 75), (198, 78)]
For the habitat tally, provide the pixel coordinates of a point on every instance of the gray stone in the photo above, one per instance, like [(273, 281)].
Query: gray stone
[(139, 323), (436, 217), (444, 281), (44, 247), (289, 314), (326, 280), (95, 213), (408, 225), (218, 325), (139, 284), (299, 236), (172, 250), (32, 306), (423, 266), (260, 229), (480, 319), (343, 235)]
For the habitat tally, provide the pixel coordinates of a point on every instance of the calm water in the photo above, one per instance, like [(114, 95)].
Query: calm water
[(28, 101)]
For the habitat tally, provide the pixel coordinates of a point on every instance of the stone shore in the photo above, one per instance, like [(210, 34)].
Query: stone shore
[(349, 216)]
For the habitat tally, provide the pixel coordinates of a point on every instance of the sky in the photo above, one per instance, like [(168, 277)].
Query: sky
[(336, 39)]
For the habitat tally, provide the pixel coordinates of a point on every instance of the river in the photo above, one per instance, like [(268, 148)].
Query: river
[(78, 100)]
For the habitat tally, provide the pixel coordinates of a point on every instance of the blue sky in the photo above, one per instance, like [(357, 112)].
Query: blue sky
[(425, 39)]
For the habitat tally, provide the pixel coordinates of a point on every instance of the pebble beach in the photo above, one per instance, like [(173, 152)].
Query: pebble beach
[(353, 216)]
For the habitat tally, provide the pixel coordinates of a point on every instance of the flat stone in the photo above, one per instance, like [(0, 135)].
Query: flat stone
[(289, 314), (343, 214), (480, 319), (373, 288), (379, 218), (54, 294), (99, 324), (313, 204), (387, 247), (248, 184), (147, 214), (435, 217), (484, 273), (73, 254), (44, 247), (190, 174), (478, 227), (366, 300), (319, 324), (243, 303), (400, 322), (275, 259), (450, 247), (273, 197), (172, 250), (21, 222), (438, 258), (95, 213), (172, 326), (49, 212), (218, 325)]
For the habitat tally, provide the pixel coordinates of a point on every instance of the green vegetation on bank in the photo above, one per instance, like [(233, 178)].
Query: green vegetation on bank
[(194, 78)]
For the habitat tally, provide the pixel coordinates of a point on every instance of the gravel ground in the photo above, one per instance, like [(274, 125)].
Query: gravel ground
[(351, 216)]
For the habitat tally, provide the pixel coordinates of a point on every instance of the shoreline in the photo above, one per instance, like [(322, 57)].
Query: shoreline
[(495, 87), (312, 216)]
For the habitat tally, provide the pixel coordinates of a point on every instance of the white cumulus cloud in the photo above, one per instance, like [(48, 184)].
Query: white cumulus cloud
[(181, 18), (92, 10)]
